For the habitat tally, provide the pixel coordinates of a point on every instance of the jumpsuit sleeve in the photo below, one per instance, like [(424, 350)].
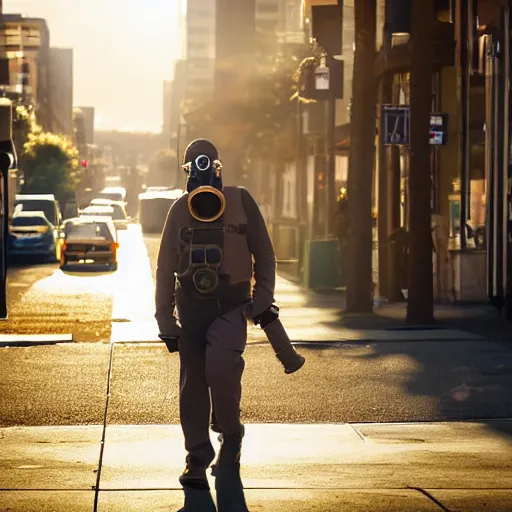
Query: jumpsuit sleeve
[(167, 265), (260, 246)]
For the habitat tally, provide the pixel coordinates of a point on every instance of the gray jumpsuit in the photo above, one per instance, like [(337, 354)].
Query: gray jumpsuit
[(213, 331)]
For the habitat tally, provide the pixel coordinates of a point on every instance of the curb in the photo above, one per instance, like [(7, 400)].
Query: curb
[(29, 340)]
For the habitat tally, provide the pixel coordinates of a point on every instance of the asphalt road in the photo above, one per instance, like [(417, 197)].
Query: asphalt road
[(379, 382), (42, 299), (67, 384)]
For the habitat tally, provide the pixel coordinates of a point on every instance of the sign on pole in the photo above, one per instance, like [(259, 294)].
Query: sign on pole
[(396, 122), (322, 82), (395, 125)]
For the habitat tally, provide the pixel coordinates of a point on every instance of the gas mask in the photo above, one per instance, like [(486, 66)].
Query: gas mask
[(206, 202)]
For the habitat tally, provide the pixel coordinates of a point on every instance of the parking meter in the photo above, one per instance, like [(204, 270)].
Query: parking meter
[(7, 162)]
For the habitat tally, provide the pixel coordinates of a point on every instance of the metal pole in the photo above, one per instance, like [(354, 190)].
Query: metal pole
[(331, 159), (7, 161), (465, 118)]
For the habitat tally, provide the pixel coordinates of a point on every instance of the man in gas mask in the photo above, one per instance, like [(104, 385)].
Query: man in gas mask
[(205, 265)]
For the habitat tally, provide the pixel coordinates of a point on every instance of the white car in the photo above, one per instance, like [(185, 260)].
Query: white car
[(119, 216)]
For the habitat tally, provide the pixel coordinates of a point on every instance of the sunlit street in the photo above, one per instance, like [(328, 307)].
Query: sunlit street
[(255, 256), (371, 381), (84, 302)]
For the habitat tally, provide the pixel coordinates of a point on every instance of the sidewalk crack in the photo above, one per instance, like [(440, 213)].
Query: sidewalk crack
[(105, 417), (362, 436), (430, 497)]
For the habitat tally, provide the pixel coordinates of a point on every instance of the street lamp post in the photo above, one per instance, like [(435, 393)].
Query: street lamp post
[(7, 162)]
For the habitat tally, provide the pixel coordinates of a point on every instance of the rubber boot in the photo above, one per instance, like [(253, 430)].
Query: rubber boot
[(228, 483), (196, 488)]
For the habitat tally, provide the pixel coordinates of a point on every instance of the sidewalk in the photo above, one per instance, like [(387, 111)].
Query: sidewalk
[(299, 468), (317, 317)]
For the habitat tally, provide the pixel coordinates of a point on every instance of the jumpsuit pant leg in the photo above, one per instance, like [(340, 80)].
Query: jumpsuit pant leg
[(194, 394), (224, 365), (195, 403)]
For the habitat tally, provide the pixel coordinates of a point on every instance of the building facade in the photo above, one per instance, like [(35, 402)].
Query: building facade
[(60, 91), (200, 47), (24, 55)]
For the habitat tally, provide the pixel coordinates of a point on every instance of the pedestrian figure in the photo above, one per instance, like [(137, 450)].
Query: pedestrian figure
[(203, 300)]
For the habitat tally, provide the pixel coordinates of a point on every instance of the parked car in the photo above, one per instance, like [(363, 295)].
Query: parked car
[(89, 240), (41, 203), (32, 234), (119, 215)]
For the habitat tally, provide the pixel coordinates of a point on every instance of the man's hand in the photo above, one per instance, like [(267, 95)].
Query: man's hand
[(171, 342)]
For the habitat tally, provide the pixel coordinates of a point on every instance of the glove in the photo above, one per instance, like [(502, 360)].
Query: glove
[(267, 317), (171, 342)]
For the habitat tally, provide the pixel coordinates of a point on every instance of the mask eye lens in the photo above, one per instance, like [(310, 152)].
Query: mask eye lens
[(203, 163)]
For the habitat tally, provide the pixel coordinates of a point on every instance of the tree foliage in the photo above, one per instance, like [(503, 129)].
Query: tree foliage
[(24, 123), (162, 170), (257, 122), (50, 165)]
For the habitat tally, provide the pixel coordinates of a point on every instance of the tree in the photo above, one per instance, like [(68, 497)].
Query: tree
[(50, 165), (420, 302), (359, 236), (257, 123), (23, 124), (162, 170)]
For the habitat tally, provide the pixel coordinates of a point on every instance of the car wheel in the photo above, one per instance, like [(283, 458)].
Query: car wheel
[(112, 266)]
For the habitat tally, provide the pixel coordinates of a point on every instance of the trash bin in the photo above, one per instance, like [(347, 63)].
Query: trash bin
[(321, 264)]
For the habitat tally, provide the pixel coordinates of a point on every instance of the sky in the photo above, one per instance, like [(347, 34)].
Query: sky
[(123, 51)]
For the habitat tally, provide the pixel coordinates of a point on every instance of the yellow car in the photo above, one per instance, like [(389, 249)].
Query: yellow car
[(89, 240)]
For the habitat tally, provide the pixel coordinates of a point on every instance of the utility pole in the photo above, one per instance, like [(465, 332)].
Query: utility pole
[(362, 152), (420, 304)]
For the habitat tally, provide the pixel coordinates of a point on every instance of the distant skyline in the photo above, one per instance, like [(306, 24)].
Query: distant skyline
[(123, 51)]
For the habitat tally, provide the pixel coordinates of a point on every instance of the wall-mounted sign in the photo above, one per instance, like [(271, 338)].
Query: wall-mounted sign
[(438, 129)]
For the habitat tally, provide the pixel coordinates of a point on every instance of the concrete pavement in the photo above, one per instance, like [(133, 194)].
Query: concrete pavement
[(462, 466)]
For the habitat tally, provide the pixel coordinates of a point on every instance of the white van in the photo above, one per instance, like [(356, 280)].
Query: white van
[(40, 202)]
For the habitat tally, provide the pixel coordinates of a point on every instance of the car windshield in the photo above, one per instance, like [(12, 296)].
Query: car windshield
[(119, 213), (28, 221), (113, 196), (101, 212), (40, 205), (89, 230)]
